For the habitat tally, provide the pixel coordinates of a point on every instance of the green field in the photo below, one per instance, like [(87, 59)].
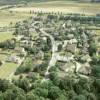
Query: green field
[(5, 35), (61, 6), (7, 17), (7, 69)]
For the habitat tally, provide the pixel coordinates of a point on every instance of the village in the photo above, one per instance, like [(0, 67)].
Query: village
[(49, 49), (65, 44)]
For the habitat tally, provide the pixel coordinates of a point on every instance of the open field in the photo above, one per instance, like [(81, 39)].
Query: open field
[(5, 35), (61, 6), (97, 32), (7, 68), (7, 17)]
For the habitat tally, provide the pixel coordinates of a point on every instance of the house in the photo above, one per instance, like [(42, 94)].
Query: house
[(71, 48), (70, 36), (85, 58), (69, 23), (84, 50), (65, 58), (20, 50), (23, 42), (40, 55), (56, 34), (14, 59), (68, 67), (72, 41), (19, 37), (64, 25), (85, 69), (73, 29), (84, 37)]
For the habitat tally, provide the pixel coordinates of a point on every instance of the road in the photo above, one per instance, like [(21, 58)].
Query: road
[(54, 53)]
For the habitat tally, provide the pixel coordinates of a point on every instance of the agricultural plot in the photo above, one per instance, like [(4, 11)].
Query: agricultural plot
[(10, 18), (5, 36), (63, 6)]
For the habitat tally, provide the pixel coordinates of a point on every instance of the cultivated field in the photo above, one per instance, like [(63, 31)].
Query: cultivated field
[(7, 17), (61, 6), (5, 36)]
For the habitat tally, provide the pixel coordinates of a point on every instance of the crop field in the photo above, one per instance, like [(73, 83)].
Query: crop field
[(5, 36), (7, 17), (61, 6)]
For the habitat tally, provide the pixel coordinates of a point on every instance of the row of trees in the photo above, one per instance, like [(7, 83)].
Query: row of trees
[(82, 19)]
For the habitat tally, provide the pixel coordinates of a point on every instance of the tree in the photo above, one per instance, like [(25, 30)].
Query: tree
[(91, 96), (62, 97), (4, 84), (66, 83), (23, 84), (8, 44), (79, 97), (54, 78), (95, 59), (96, 71), (54, 92), (96, 84), (1, 96), (14, 93), (41, 92), (92, 48), (32, 96)]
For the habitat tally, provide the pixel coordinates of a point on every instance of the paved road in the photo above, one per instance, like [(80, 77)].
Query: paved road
[(54, 53)]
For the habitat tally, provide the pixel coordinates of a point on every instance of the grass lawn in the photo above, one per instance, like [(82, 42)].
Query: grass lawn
[(5, 35), (7, 69), (2, 57)]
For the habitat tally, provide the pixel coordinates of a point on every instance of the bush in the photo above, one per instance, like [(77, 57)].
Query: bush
[(21, 69)]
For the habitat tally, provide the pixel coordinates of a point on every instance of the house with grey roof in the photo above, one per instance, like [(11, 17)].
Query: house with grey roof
[(71, 48)]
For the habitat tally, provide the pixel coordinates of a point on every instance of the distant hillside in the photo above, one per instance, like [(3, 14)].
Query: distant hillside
[(11, 2)]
